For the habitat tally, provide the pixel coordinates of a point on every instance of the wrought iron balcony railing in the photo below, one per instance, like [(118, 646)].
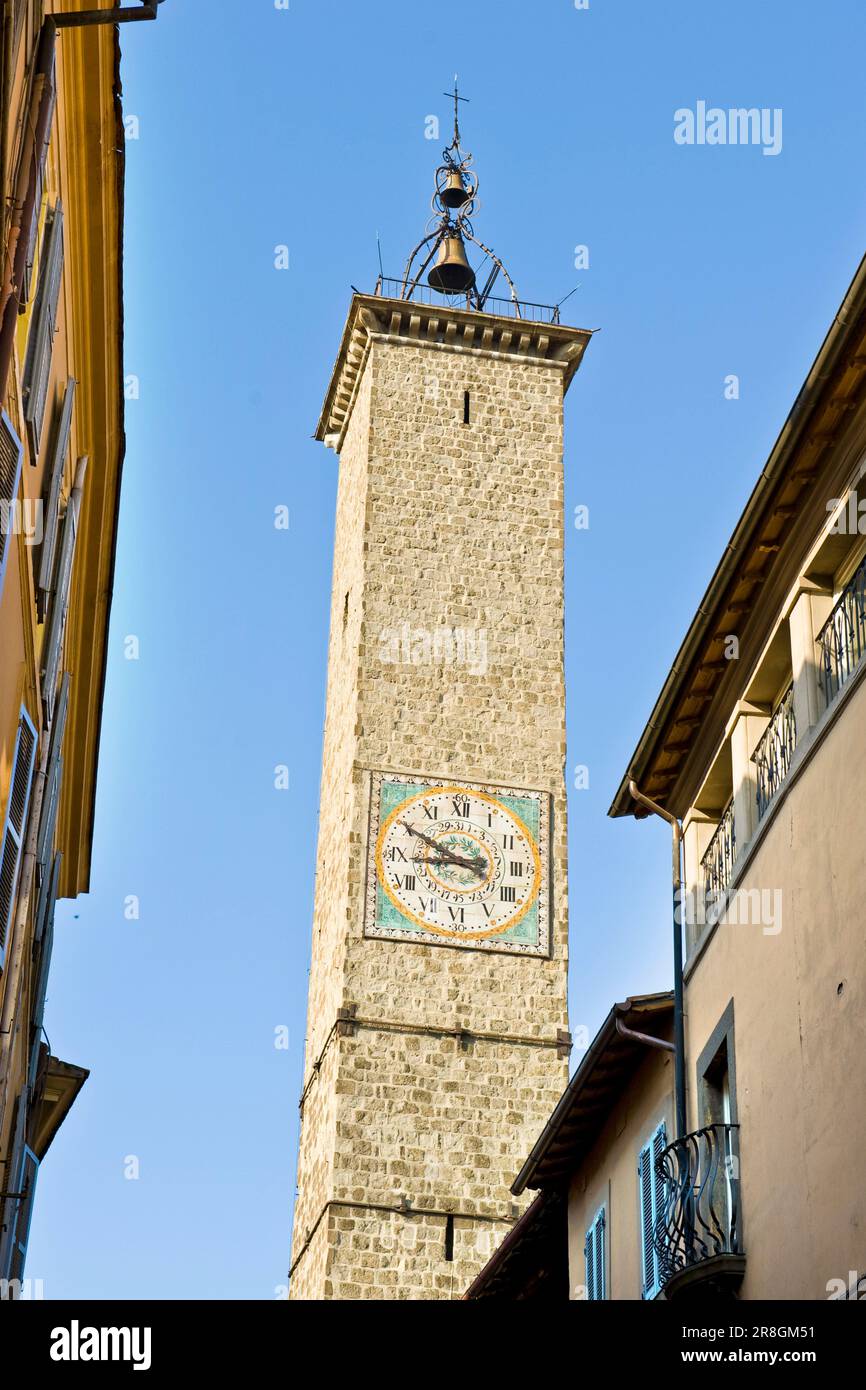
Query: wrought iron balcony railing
[(773, 755), (701, 1203), (718, 862), (842, 639)]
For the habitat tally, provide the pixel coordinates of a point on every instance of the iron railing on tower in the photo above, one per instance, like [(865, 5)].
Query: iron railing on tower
[(390, 287)]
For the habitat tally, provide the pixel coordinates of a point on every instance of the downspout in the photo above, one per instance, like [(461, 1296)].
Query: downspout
[(679, 1027)]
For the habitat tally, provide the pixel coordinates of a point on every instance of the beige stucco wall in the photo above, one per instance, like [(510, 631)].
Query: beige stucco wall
[(800, 1043), (607, 1176), (438, 524)]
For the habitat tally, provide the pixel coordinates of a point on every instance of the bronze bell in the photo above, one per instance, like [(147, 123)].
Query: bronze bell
[(454, 195), (452, 273)]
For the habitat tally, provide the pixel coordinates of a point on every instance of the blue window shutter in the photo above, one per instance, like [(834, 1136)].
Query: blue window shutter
[(46, 947), (27, 1174), (651, 1188), (10, 472), (11, 1174), (53, 779), (593, 1252), (52, 498), (15, 823), (645, 1189)]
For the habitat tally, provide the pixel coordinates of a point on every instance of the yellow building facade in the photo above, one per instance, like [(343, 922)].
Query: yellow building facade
[(61, 450)]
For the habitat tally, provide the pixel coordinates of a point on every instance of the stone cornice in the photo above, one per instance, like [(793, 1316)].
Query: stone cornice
[(373, 318)]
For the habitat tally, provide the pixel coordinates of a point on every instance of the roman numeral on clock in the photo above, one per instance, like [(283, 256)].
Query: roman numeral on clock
[(507, 894), (431, 812), (461, 808), (407, 882), (456, 914), (516, 870)]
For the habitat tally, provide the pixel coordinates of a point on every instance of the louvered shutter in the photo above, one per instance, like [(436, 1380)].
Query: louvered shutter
[(651, 1208), (27, 1174), (593, 1252), (40, 340), (40, 156), (600, 1280), (53, 778), (15, 824), (52, 498), (10, 473), (60, 603), (46, 947), (11, 1174)]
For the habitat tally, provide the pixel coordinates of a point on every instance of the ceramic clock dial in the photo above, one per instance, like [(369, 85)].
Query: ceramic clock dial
[(460, 864)]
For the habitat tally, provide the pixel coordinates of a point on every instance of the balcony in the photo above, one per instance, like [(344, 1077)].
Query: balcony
[(773, 755), (718, 863), (698, 1235), (842, 639)]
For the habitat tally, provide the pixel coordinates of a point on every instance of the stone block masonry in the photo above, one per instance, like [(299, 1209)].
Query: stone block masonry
[(431, 1069)]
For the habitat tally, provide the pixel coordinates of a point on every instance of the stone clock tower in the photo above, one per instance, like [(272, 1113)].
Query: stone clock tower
[(437, 1039)]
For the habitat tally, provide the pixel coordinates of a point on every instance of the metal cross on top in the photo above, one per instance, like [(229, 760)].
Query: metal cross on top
[(457, 98)]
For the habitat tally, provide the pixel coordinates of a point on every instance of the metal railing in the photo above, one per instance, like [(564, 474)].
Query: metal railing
[(701, 1202), (773, 755), (718, 861), (842, 639), (390, 288)]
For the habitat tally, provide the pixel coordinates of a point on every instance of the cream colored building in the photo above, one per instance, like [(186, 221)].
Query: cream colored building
[(757, 745)]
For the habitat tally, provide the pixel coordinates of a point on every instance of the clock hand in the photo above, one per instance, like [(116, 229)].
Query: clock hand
[(445, 854)]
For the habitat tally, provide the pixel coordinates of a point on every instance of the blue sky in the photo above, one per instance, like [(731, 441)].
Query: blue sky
[(261, 127)]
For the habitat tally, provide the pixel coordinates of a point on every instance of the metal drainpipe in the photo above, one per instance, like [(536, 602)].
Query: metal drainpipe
[(75, 19), (679, 1028)]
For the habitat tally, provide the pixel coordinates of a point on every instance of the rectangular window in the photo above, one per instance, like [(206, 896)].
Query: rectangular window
[(593, 1252), (15, 823), (10, 474), (43, 325), (652, 1191)]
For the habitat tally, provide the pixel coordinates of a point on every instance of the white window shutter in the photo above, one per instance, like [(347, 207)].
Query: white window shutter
[(10, 472), (15, 823), (52, 498), (60, 603), (40, 340)]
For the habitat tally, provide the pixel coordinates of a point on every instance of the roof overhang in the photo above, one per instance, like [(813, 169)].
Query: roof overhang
[(612, 1059), (833, 390), (59, 1084)]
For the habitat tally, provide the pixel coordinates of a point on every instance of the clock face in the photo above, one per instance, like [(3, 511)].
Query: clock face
[(458, 864)]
